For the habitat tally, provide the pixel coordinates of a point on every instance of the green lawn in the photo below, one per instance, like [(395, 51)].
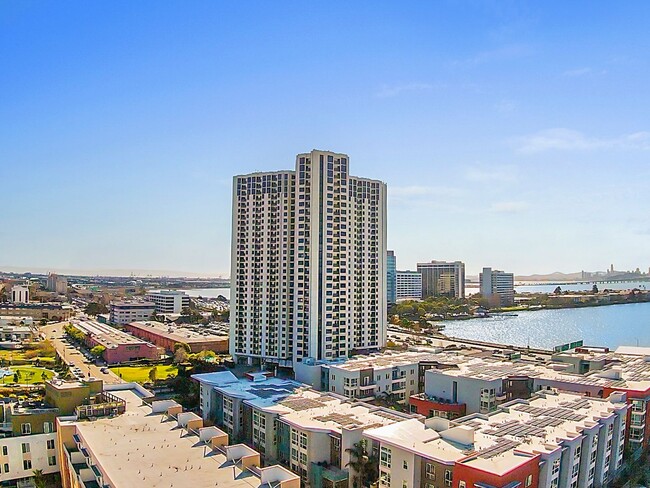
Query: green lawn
[(140, 374), (29, 375)]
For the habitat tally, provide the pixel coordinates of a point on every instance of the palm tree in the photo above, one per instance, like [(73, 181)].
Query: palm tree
[(364, 466), (39, 478)]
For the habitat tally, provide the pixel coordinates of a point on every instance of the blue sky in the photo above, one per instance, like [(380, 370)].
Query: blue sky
[(510, 134)]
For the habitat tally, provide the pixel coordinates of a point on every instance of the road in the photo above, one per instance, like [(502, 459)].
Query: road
[(73, 356)]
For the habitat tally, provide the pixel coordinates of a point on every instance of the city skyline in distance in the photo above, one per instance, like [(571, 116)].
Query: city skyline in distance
[(520, 148)]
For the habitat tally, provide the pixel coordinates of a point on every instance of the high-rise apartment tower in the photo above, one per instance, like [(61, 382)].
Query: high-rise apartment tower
[(308, 273), (391, 277)]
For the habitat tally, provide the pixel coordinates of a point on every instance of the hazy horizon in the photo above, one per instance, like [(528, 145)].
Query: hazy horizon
[(510, 135)]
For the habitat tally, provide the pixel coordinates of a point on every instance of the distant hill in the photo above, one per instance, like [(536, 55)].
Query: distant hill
[(557, 276)]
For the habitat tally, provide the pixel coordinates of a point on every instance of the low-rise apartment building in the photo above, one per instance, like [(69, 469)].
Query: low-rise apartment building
[(124, 312), (157, 444), (37, 311), (120, 346), (28, 437), (166, 336), (290, 423), (392, 376), (553, 440)]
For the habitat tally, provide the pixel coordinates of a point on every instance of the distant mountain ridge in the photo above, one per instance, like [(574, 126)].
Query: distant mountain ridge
[(556, 276), (587, 276)]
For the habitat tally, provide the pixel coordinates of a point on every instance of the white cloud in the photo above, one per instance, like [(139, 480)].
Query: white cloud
[(419, 191), (490, 174), (572, 140), (508, 207), (387, 91)]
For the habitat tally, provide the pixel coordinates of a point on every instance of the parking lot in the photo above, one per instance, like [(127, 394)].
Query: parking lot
[(79, 359)]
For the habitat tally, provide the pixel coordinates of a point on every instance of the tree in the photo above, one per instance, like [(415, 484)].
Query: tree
[(594, 289), (206, 355), (98, 351), (39, 478), (95, 308), (364, 466), (182, 345), (153, 374), (557, 291), (46, 349), (180, 356)]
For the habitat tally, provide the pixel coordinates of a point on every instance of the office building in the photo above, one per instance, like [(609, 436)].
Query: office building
[(119, 346), (19, 294), (391, 277), (168, 301), (308, 259), (409, 285), (442, 278), (497, 287), (167, 336), (15, 332), (553, 440), (57, 284), (124, 312)]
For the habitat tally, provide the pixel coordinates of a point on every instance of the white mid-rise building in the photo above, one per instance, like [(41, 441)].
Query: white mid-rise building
[(498, 287), (408, 285), (20, 456), (56, 283), (308, 262), (126, 312), (19, 294), (168, 301)]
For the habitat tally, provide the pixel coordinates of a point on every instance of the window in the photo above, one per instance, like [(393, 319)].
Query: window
[(51, 460), (529, 480), (27, 464), (405, 484), (462, 484), (25, 447), (556, 467), (48, 427), (4, 451), (50, 443), (303, 440), (385, 479), (6, 467), (385, 457), (448, 477), (26, 428), (430, 471)]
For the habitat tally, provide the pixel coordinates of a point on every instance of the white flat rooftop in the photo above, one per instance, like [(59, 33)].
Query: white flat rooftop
[(138, 448)]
